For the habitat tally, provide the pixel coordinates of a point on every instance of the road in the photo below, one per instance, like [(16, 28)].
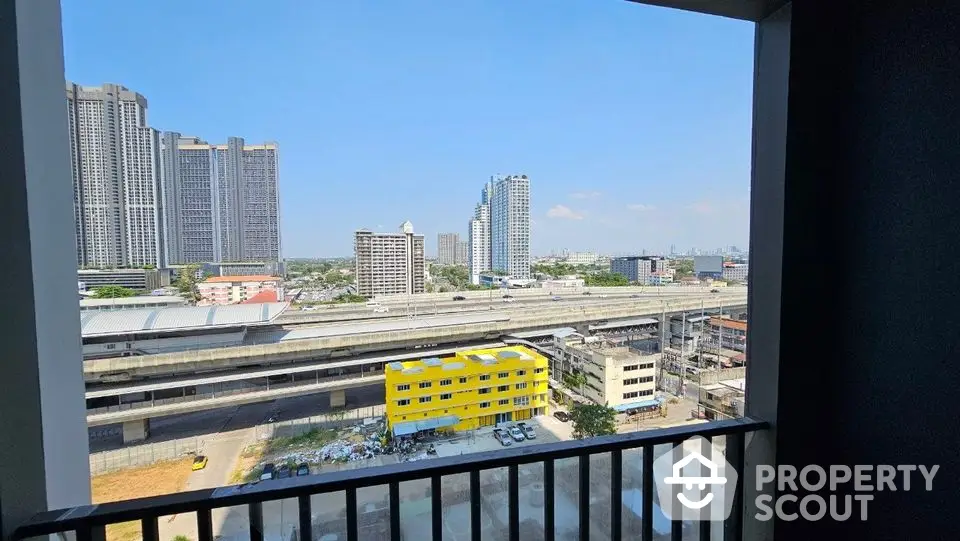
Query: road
[(227, 420)]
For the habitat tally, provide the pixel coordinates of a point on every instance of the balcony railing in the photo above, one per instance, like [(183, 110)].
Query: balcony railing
[(582, 489)]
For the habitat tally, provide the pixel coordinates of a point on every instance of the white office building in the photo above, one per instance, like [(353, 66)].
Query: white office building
[(478, 253), (736, 272), (115, 161)]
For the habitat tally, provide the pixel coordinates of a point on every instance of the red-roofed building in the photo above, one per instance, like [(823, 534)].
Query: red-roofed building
[(238, 289), (262, 297)]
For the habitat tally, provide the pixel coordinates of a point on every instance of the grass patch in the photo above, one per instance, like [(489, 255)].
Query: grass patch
[(154, 480)]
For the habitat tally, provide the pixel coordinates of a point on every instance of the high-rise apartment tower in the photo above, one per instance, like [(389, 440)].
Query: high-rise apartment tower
[(222, 201), (389, 263), (116, 178), (447, 248)]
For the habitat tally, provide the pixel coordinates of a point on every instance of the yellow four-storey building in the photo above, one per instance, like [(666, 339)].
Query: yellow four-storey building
[(467, 391)]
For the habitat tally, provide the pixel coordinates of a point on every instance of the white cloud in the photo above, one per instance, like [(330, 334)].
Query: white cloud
[(638, 207), (585, 195), (564, 213)]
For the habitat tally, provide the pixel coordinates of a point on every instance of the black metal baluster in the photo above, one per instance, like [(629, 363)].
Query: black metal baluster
[(676, 525), (549, 528), (616, 494), (150, 529), (646, 519), (584, 497), (351, 501), (513, 507), (93, 532), (475, 534), (204, 524), (306, 519), (436, 508), (733, 527), (705, 514), (395, 512), (255, 515)]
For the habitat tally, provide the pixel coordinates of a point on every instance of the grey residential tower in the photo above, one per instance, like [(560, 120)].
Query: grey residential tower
[(116, 178), (222, 201), (389, 263)]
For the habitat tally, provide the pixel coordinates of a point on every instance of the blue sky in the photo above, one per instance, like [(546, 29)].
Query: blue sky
[(632, 122)]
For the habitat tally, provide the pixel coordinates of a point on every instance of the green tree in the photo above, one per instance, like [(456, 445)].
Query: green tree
[(112, 292), (590, 420), (605, 279)]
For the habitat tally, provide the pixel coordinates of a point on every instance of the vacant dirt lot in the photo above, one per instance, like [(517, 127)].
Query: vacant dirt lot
[(154, 480)]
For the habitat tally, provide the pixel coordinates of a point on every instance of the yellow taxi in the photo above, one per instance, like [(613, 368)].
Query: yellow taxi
[(199, 463)]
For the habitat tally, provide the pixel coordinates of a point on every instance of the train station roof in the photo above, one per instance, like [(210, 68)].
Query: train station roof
[(179, 318)]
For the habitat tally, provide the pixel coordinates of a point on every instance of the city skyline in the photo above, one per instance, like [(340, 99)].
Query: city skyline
[(630, 149)]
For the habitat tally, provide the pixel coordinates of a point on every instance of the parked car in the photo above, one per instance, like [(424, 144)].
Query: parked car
[(501, 435), (303, 469), (527, 431), (199, 463), (283, 472), (459, 298), (562, 416), (516, 434), (268, 470)]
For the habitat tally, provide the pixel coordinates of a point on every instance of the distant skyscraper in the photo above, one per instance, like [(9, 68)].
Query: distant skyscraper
[(463, 249), (478, 255), (447, 248), (116, 178), (222, 201), (510, 226), (389, 263)]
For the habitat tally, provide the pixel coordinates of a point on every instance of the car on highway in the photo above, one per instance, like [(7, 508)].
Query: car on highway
[(516, 434), (603, 296), (562, 416), (527, 430), (459, 298), (267, 473), (501, 435), (283, 472), (634, 296), (199, 463), (555, 298), (714, 291), (508, 296), (381, 310), (509, 299), (587, 293), (303, 469)]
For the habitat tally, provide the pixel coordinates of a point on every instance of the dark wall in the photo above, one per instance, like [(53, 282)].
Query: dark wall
[(872, 230)]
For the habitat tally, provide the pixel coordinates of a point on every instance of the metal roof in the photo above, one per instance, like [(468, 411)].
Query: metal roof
[(101, 323), (637, 322), (412, 427)]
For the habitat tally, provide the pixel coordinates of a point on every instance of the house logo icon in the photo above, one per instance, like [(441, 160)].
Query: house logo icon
[(694, 482)]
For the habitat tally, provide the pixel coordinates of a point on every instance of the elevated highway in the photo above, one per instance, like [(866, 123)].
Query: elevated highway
[(345, 339)]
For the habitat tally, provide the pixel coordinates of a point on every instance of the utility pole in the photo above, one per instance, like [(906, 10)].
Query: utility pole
[(683, 359), (663, 322)]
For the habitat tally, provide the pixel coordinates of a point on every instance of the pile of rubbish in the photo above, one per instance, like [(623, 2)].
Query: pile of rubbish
[(348, 451)]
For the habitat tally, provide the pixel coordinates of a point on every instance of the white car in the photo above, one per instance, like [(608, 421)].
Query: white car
[(527, 430), (381, 310), (509, 299), (516, 434)]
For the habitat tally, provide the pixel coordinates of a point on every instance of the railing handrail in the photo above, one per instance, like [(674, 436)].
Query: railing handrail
[(68, 519)]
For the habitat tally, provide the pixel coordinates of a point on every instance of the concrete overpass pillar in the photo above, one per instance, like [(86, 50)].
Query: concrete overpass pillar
[(338, 399), (134, 431)]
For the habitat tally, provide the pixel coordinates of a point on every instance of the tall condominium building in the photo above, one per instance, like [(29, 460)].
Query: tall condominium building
[(478, 255), (222, 201), (389, 263), (510, 226), (116, 178), (463, 248), (447, 248)]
